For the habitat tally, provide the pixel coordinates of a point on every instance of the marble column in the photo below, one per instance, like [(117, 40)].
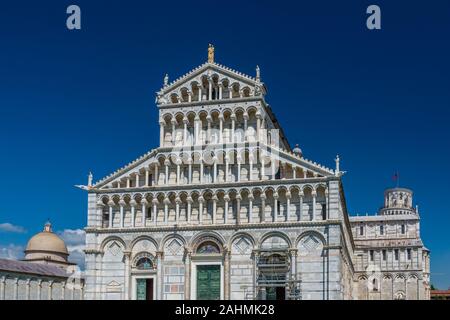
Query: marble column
[(314, 195), (226, 271), (190, 171), (238, 209), (122, 216), (197, 129), (221, 128), (263, 207), (133, 213), (63, 291), (111, 205), (174, 123), (226, 199), (200, 209), (147, 176), (166, 209), (160, 275), (250, 208), (166, 178), (161, 133), (245, 125), (50, 290), (226, 169), (144, 204), (215, 169), (156, 174), (185, 131), (155, 211), (300, 214), (27, 290), (177, 209), (293, 254), (16, 289), (187, 274), (189, 209), (238, 169), (233, 125), (275, 207), (288, 205), (137, 180), (250, 163), (127, 255), (262, 168), (208, 132), (39, 290), (214, 199)]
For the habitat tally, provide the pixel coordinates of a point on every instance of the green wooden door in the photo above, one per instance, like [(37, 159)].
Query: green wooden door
[(208, 282), (141, 289)]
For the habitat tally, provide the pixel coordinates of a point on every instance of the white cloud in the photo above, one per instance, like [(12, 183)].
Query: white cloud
[(11, 251), (8, 227), (75, 241)]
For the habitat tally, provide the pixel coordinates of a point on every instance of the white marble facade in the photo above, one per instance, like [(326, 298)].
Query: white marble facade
[(224, 209)]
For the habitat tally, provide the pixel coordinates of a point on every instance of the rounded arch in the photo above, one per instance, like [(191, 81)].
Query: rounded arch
[(295, 188), (204, 236), (310, 233), (241, 234), (110, 239), (143, 237), (146, 265), (169, 237), (275, 234)]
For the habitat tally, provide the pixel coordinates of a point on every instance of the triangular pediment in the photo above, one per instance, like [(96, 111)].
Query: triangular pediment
[(198, 76)]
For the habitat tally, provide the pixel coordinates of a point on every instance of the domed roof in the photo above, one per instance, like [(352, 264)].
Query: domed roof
[(47, 241)]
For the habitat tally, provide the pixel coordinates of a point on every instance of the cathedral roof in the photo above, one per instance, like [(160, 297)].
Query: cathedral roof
[(32, 268)]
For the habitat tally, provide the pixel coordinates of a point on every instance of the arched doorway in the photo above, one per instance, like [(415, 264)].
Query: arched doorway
[(207, 282), (143, 276)]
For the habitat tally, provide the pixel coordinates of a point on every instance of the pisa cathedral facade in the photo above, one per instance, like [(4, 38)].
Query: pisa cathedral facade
[(225, 209)]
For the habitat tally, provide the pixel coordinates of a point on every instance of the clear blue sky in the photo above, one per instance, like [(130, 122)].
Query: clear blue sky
[(74, 101)]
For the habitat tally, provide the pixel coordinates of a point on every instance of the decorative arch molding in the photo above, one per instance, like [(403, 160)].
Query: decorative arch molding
[(143, 237), (278, 234), (240, 234), (111, 239), (169, 237), (143, 254), (313, 233), (201, 237)]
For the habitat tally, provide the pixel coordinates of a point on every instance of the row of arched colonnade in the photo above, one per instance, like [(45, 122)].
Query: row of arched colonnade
[(217, 166), (215, 206), (229, 125)]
